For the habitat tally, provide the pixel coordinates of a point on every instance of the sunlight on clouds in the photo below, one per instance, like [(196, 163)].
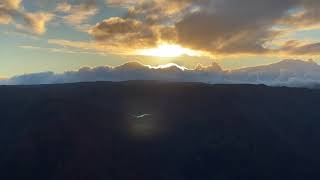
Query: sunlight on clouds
[(97, 47), (10, 4), (186, 32), (3, 78), (170, 29), (13, 12), (5, 19), (37, 21), (165, 66), (168, 50)]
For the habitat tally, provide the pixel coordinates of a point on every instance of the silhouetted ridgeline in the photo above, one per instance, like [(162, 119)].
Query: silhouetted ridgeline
[(158, 131)]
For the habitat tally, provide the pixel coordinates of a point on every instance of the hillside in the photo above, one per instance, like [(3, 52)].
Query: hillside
[(149, 130)]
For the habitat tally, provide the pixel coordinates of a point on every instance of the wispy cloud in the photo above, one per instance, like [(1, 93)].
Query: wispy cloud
[(94, 46), (79, 13), (58, 50), (11, 11)]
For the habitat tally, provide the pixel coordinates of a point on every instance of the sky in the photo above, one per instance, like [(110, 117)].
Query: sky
[(66, 35)]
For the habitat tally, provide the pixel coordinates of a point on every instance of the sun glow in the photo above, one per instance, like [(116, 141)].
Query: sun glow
[(168, 50)]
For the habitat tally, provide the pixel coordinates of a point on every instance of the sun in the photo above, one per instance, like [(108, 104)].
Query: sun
[(168, 50)]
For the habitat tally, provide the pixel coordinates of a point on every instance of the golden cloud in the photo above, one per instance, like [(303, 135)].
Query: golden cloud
[(221, 28), (34, 22), (37, 21), (125, 32), (98, 47), (5, 19)]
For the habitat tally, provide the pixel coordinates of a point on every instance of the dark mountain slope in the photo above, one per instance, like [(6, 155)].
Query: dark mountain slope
[(159, 131)]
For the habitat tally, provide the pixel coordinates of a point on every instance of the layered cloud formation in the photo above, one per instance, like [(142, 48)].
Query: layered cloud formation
[(220, 27), (216, 27), (293, 73)]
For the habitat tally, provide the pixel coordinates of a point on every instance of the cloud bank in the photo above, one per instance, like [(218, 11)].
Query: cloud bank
[(220, 27), (216, 27), (292, 73)]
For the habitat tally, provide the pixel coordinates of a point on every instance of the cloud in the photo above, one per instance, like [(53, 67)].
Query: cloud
[(307, 18), (5, 18), (98, 47), (63, 7), (160, 11), (57, 50), (8, 9), (122, 3), (10, 4), (12, 12), (121, 36), (219, 27), (77, 14), (36, 22), (124, 32), (301, 47), (292, 73)]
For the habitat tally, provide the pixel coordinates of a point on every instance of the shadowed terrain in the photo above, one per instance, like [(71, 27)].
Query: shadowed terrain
[(144, 130)]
